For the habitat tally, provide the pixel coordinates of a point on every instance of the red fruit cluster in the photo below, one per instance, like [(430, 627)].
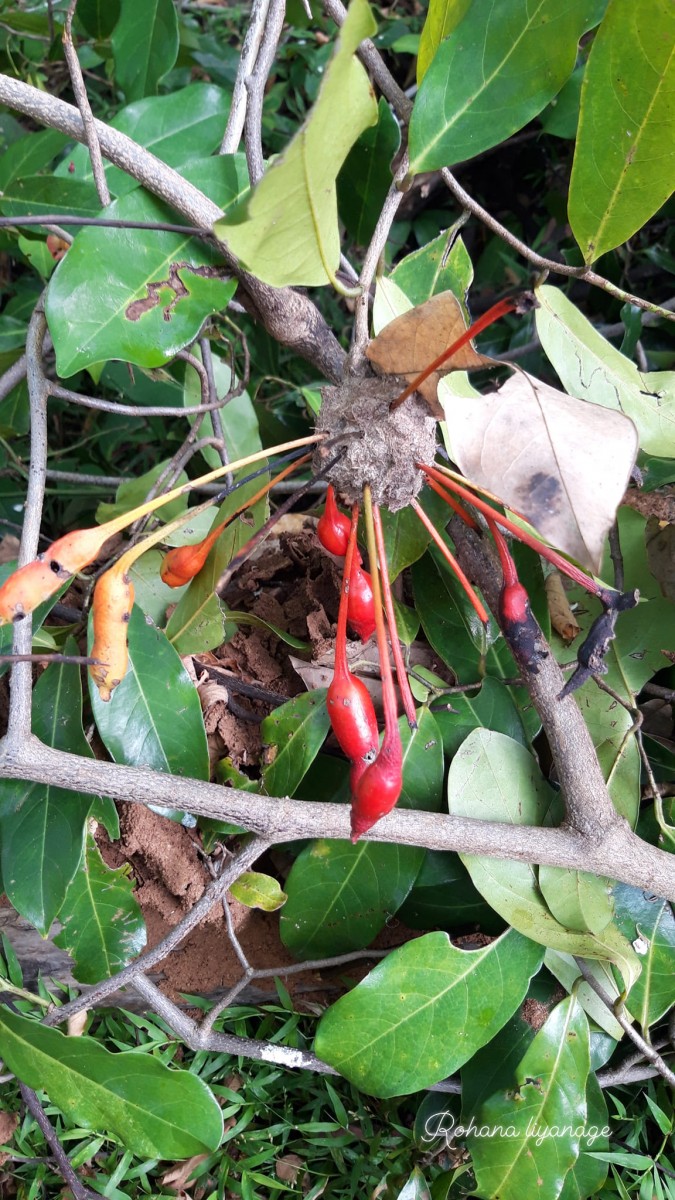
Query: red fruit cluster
[(333, 533)]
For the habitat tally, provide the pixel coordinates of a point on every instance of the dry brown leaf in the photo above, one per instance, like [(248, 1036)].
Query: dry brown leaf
[(8, 1124), (9, 548), (288, 1168), (77, 1024), (410, 342), (177, 1177), (562, 618), (562, 462)]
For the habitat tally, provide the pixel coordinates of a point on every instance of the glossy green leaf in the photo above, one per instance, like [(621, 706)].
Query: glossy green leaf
[(422, 764), (98, 17), (134, 492), (561, 118), (47, 194), (151, 594), (340, 896), (153, 292), (29, 154), (565, 969), (592, 369), (641, 915), (290, 232), (154, 1111), (588, 1174), (415, 1187), (103, 927), (495, 779), (178, 128), (365, 177), (498, 68), (624, 160), (538, 1123), (256, 890), (405, 537), (442, 17), (154, 718), (199, 621), (292, 736), (424, 1011), (145, 45), (42, 828), (443, 265), (443, 897), (491, 706)]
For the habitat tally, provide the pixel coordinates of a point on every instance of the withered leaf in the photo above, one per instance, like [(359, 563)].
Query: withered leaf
[(410, 342), (562, 462)]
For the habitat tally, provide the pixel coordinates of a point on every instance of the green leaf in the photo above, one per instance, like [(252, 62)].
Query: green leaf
[(537, 1125), (365, 177), (443, 897), (29, 154), (244, 618), (179, 128), (290, 233), (47, 194), (498, 68), (103, 927), (405, 537), (293, 735), (241, 430), (256, 890), (649, 918), (341, 896), (566, 970), (145, 45), (98, 17), (491, 706), (406, 1025), (592, 369), (624, 159), (152, 595), (561, 118), (442, 17), (42, 828), (495, 779), (415, 1187), (588, 1174), (152, 291), (134, 492), (154, 1111), (432, 269), (576, 899), (154, 718)]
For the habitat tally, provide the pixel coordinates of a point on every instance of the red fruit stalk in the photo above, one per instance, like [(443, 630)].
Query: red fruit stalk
[(379, 787), (401, 674), (333, 527), (451, 561), (350, 707), (493, 314), (552, 556)]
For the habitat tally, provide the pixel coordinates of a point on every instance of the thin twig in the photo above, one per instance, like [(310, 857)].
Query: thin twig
[(546, 264), (212, 399), (104, 223), (212, 895), (617, 1012), (84, 106), (63, 1164), (370, 262), (249, 52), (129, 410), (21, 697), (256, 82)]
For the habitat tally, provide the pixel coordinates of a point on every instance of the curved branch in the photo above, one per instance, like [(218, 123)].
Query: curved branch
[(615, 852), (289, 317)]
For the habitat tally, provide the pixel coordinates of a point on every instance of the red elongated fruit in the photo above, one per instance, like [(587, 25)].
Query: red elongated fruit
[(352, 715), (378, 788), (361, 607), (514, 604), (333, 527)]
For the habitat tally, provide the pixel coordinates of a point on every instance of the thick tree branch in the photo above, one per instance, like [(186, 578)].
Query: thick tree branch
[(615, 852), (289, 317)]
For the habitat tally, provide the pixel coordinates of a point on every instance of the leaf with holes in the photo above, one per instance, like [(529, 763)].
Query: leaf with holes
[(624, 158), (406, 1026), (156, 1112), (564, 464), (289, 233), (103, 927)]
